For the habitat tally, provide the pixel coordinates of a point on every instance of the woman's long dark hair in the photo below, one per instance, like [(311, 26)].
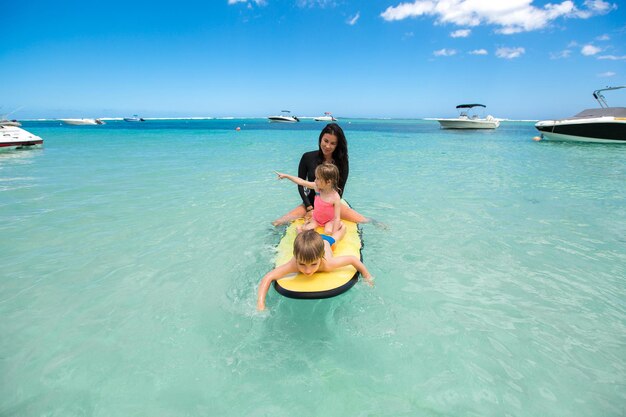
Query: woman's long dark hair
[(340, 154)]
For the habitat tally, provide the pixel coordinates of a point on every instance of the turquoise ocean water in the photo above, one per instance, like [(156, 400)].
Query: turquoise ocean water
[(131, 254)]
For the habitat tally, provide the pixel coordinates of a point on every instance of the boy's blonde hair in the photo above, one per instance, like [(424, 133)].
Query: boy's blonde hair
[(328, 172), (308, 247)]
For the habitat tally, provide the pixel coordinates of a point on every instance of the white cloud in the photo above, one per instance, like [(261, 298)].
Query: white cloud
[(404, 10), (479, 52), (352, 21), (589, 50), (604, 37), (607, 74), (510, 16), (461, 33), (510, 53), (613, 57), (445, 52), (599, 6), (560, 55)]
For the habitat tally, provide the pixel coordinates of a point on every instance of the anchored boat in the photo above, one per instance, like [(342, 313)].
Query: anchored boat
[(284, 117), (13, 137), (82, 122), (327, 117), (135, 118), (603, 125), (469, 120)]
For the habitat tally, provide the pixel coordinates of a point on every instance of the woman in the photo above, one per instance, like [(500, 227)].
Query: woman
[(332, 148)]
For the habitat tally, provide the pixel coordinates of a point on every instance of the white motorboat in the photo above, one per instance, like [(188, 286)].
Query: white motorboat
[(603, 125), (284, 117), (135, 118), (5, 122), (4, 119), (468, 120), (82, 122), (13, 137), (327, 117)]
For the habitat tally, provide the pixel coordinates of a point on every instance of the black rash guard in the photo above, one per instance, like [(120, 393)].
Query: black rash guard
[(306, 171)]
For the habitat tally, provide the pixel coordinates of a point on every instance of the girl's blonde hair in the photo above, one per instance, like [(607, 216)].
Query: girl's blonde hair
[(328, 172), (308, 247)]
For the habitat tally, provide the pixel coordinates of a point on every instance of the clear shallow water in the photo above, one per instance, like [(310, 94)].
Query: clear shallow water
[(131, 253)]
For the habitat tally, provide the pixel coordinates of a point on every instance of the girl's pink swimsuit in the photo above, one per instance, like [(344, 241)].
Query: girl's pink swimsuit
[(323, 212)]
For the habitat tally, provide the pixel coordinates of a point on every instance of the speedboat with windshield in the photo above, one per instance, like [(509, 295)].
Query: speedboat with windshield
[(468, 119), (6, 122), (13, 137), (82, 122), (284, 117), (603, 125), (327, 117), (135, 118)]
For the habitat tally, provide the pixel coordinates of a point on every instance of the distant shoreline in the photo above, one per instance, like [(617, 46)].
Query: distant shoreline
[(339, 119)]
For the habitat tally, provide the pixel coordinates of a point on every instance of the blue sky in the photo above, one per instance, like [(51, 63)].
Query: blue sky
[(524, 59)]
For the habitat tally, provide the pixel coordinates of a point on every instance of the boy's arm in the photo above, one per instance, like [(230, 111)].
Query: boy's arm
[(273, 275), (299, 181), (339, 261)]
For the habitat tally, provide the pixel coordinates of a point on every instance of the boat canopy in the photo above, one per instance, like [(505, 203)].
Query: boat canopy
[(469, 106), (601, 112)]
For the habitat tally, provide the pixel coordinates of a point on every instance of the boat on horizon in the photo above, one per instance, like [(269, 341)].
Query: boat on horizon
[(6, 122), (327, 117), (601, 125), (284, 117), (82, 122), (13, 137), (468, 120), (135, 118)]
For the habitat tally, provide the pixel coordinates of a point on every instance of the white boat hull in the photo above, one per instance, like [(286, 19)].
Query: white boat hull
[(595, 130), (468, 123), (325, 119), (282, 119), (12, 137), (82, 122), (569, 138)]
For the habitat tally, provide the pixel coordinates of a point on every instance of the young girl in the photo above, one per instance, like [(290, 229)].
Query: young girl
[(332, 147), (311, 253), (327, 203)]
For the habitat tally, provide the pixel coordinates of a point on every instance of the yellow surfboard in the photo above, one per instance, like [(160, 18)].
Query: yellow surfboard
[(320, 284)]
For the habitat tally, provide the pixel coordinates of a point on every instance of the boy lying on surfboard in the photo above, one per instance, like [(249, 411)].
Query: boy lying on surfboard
[(311, 253)]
